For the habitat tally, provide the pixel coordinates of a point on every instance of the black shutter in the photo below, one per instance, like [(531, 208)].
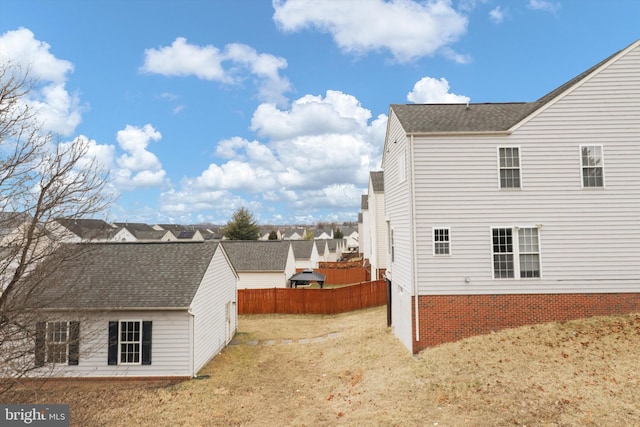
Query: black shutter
[(74, 343), (113, 343), (146, 343), (41, 342)]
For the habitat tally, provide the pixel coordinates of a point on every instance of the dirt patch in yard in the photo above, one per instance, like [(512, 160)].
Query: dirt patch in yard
[(571, 374)]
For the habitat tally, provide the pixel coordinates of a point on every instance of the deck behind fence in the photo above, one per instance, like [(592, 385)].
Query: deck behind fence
[(312, 301)]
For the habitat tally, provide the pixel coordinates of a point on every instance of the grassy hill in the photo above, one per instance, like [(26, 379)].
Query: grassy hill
[(349, 369)]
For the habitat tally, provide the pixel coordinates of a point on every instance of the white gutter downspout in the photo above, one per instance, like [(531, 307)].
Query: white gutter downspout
[(415, 243), (192, 321)]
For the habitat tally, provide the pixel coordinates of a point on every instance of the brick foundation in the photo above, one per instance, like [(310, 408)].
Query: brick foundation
[(448, 318)]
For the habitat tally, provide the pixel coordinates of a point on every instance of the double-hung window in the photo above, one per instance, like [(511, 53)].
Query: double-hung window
[(129, 342), (516, 252), (441, 241), (509, 159), (57, 343), (592, 166)]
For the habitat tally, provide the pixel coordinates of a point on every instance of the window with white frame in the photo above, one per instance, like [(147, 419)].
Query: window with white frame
[(515, 250), (509, 159), (57, 342), (441, 241), (392, 246), (129, 342), (592, 166)]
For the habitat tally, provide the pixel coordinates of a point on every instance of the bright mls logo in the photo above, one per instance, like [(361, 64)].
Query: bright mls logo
[(34, 415)]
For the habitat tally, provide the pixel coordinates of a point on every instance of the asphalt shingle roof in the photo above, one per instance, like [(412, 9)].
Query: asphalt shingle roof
[(87, 228), (377, 181), (302, 249), (257, 255), (491, 117), (447, 118), (129, 275)]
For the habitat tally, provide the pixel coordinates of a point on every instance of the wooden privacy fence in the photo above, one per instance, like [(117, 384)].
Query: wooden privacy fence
[(312, 301), (344, 276)]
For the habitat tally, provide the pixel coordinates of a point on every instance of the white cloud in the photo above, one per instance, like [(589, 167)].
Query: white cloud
[(311, 115), (138, 167), (230, 66), (406, 28), (433, 91), (544, 5), (496, 15), (317, 153), (57, 109)]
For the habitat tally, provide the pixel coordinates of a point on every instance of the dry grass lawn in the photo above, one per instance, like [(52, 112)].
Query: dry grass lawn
[(577, 373)]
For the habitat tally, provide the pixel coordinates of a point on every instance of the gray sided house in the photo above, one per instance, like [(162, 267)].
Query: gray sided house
[(502, 215), (136, 310), (261, 264)]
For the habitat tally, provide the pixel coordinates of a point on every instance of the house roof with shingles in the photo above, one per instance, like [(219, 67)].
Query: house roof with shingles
[(257, 255), (129, 275), (448, 118), (134, 226), (490, 117), (10, 221), (364, 202), (302, 249), (87, 228), (377, 181)]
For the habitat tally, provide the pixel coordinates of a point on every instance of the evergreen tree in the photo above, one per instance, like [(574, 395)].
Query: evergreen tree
[(242, 226), (338, 234)]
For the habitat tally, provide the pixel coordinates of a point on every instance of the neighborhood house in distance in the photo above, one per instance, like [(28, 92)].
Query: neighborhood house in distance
[(502, 215)]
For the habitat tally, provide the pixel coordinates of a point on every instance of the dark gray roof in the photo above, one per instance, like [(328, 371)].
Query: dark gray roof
[(492, 117), (364, 202), (307, 276), (134, 226), (87, 228), (302, 249), (186, 234), (377, 181), (257, 255), (128, 275), (446, 118)]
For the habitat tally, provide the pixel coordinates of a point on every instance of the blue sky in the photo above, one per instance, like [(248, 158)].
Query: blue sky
[(199, 107)]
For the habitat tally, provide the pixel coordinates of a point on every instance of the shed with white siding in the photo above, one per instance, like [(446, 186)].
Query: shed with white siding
[(137, 310), (502, 215), (261, 264)]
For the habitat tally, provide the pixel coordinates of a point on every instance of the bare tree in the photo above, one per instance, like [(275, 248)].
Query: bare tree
[(41, 180)]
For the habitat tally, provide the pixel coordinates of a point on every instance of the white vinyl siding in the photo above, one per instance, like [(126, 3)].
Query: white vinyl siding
[(398, 200), (216, 295), (170, 347), (263, 279), (591, 238)]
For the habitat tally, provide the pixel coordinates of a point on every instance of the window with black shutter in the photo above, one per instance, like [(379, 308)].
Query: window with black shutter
[(57, 343), (129, 342)]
